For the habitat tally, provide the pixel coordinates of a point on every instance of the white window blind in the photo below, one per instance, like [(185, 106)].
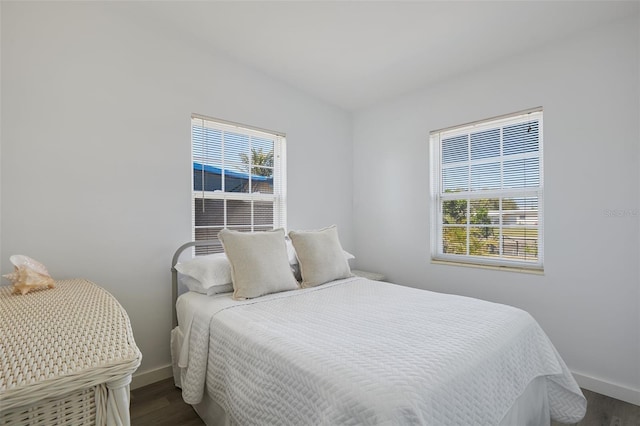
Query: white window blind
[(487, 192), (239, 179)]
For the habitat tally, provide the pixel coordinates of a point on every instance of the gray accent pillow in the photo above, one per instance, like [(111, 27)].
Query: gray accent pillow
[(259, 262), (293, 259), (320, 256)]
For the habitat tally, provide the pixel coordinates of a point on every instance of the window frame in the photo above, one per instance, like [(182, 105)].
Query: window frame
[(278, 197), (438, 196)]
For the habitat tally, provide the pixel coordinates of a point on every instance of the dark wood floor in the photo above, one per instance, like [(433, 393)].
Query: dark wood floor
[(605, 411), (160, 404)]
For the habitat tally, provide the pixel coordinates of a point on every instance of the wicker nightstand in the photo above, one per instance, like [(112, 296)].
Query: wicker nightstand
[(67, 356)]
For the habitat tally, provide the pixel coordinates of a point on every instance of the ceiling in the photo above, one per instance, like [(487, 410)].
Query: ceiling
[(355, 53)]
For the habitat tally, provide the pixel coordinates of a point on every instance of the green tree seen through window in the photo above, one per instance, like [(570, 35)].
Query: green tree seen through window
[(482, 237), (259, 161)]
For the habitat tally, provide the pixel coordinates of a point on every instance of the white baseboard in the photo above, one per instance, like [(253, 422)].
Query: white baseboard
[(613, 390), (144, 378)]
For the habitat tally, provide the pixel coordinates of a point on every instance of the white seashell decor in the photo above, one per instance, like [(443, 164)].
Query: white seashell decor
[(28, 274)]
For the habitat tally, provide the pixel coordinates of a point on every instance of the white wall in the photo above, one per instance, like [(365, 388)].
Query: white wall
[(95, 169), (588, 299)]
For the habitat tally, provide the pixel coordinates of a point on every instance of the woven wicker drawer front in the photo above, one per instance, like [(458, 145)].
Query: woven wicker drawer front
[(59, 340)]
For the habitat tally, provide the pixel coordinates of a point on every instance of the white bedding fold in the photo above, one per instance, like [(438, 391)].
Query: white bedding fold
[(190, 305), (366, 352)]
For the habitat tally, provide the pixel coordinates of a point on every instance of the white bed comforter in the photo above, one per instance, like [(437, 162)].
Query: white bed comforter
[(365, 352)]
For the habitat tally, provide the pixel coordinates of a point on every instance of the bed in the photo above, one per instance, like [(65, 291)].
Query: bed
[(357, 351)]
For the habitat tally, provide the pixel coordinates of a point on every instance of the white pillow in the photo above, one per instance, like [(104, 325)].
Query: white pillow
[(259, 262), (320, 255), (194, 285), (291, 252), (209, 271)]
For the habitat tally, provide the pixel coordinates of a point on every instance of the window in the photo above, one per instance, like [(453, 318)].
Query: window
[(238, 179), (487, 192)]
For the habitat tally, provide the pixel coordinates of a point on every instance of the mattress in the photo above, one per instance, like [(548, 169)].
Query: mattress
[(364, 352)]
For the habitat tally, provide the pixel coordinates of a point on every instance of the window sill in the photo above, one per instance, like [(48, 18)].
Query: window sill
[(533, 271)]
